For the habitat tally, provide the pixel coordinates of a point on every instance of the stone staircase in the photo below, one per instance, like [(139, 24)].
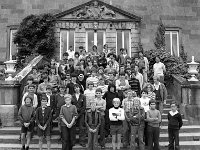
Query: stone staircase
[(189, 137)]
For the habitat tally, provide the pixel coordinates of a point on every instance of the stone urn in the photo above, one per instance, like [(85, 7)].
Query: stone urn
[(10, 69), (193, 70)]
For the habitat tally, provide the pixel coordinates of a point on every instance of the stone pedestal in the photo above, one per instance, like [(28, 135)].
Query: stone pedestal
[(187, 95), (9, 102)]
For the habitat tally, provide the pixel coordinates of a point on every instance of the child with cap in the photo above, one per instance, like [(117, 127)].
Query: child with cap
[(116, 116), (26, 116), (93, 122), (43, 119), (154, 119)]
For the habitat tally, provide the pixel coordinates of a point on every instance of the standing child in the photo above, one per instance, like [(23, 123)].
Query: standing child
[(153, 129), (68, 115), (174, 124), (43, 119), (136, 117), (26, 116), (93, 122), (101, 106), (116, 115)]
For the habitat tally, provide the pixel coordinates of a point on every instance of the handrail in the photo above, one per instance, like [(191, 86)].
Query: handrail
[(24, 72)]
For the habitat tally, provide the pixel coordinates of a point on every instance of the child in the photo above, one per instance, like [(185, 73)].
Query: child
[(174, 124), (92, 121), (116, 115), (29, 82), (127, 104), (26, 116), (43, 119), (101, 106), (136, 117), (153, 129), (68, 115), (144, 100), (89, 93)]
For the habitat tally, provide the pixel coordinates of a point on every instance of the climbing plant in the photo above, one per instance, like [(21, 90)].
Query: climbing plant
[(35, 35)]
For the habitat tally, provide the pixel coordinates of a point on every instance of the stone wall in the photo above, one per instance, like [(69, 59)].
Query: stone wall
[(174, 13)]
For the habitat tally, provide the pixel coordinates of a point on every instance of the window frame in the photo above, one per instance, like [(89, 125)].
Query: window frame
[(174, 31), (10, 39)]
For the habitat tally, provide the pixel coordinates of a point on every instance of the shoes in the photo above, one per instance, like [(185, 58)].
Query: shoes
[(83, 144), (23, 147), (27, 148)]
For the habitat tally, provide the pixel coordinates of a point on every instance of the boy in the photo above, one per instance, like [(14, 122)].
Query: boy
[(136, 117), (116, 115), (43, 119), (89, 93), (29, 82), (174, 124), (101, 106), (68, 115), (154, 119), (26, 116), (79, 101), (92, 121), (93, 78), (127, 104)]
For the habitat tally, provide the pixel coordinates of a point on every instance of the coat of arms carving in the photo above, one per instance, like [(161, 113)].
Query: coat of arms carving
[(95, 11)]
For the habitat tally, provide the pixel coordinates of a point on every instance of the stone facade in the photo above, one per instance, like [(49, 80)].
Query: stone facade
[(181, 14)]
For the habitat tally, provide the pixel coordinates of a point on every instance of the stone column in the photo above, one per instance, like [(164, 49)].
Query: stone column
[(80, 38), (111, 38), (9, 102)]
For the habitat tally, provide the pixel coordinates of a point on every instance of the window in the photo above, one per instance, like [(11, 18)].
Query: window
[(172, 42), (11, 45), (66, 40), (123, 41)]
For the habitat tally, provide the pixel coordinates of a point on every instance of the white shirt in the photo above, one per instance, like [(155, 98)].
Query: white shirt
[(119, 112), (139, 76), (90, 95), (35, 100), (48, 103), (145, 103), (71, 54), (159, 68)]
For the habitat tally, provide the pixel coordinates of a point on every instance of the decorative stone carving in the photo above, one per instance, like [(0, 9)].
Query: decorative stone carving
[(95, 11)]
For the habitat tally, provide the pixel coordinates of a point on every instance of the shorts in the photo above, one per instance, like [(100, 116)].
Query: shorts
[(116, 129), (45, 132), (27, 129)]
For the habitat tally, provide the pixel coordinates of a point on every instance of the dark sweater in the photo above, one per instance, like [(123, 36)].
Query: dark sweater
[(175, 122), (26, 114), (109, 96), (135, 85), (43, 118)]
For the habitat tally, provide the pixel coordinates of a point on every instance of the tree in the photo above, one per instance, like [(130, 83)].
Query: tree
[(35, 35), (160, 36)]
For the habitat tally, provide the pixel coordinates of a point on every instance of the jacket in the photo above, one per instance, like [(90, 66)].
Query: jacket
[(80, 103), (43, 118)]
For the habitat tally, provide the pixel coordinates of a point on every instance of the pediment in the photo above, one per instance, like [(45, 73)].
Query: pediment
[(97, 10)]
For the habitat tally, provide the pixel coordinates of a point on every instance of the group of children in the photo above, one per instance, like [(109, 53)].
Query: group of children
[(102, 99)]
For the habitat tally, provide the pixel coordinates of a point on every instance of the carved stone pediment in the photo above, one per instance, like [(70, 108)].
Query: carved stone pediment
[(96, 10)]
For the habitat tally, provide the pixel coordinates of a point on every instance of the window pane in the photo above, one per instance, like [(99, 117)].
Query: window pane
[(126, 40), (119, 41), (90, 40), (71, 39), (13, 46), (174, 44), (100, 41), (167, 43), (64, 47)]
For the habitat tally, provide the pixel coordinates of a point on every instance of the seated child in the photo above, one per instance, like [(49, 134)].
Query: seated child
[(26, 117), (116, 115), (43, 119)]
